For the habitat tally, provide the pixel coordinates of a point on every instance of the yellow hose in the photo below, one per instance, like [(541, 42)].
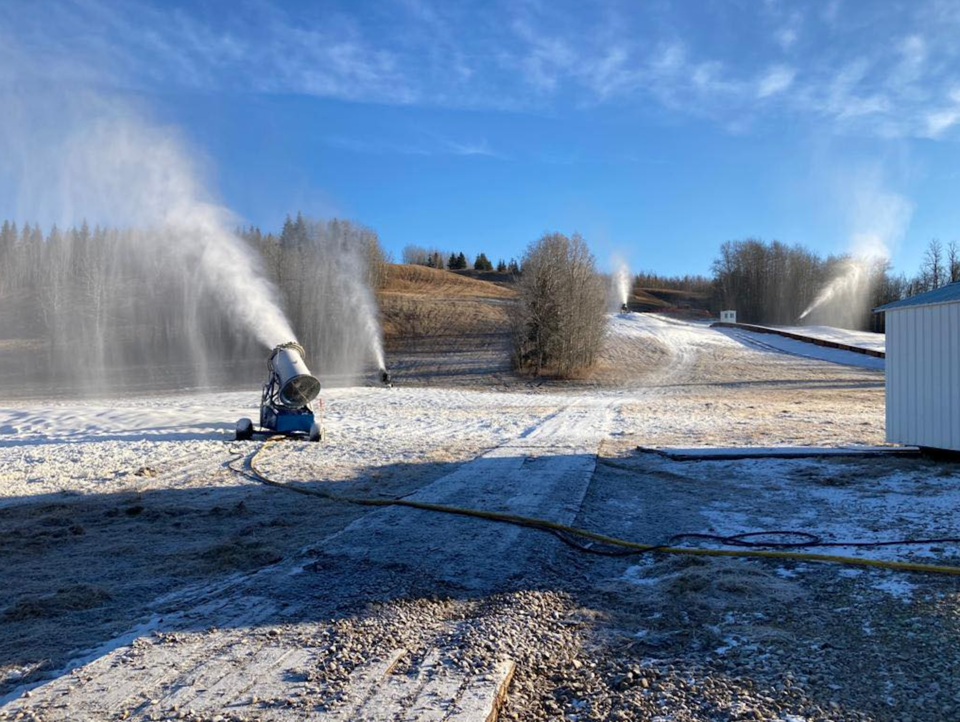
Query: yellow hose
[(594, 536)]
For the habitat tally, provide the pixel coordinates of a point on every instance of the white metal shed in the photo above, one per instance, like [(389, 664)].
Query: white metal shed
[(923, 369)]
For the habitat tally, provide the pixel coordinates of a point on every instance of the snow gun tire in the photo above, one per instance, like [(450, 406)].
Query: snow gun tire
[(244, 430)]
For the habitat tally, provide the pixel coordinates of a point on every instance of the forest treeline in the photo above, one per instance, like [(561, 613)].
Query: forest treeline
[(101, 298), (105, 301), (453, 261), (771, 282), (775, 283)]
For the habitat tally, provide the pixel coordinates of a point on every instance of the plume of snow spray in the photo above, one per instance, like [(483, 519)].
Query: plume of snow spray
[(336, 308), (167, 299), (620, 288), (367, 310), (147, 179), (879, 219), (841, 301)]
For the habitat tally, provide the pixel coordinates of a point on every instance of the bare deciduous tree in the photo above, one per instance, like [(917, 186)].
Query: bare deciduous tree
[(953, 261), (414, 255), (933, 264), (559, 320)]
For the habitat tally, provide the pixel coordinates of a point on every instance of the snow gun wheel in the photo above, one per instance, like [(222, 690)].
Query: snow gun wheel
[(244, 430), (316, 433)]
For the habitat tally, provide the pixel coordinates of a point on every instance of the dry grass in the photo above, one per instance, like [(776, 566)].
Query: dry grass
[(422, 305), (724, 583), (645, 299), (414, 319), (74, 598), (238, 555), (423, 281)]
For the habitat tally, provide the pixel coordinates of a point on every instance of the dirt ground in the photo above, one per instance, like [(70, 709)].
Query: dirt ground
[(145, 579)]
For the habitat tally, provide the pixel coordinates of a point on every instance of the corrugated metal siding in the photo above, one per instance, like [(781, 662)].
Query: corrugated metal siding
[(923, 376)]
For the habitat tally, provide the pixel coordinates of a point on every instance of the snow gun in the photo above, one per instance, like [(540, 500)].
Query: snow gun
[(285, 407)]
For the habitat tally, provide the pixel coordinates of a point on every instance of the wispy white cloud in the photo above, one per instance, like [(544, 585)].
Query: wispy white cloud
[(481, 148), (423, 145), (848, 67), (830, 12), (787, 37), (940, 121), (787, 24), (775, 80)]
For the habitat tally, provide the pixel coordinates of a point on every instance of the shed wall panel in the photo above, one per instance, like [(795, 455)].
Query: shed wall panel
[(954, 397), (923, 376)]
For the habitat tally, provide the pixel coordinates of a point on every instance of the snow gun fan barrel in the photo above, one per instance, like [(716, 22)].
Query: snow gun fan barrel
[(285, 406), (297, 387)]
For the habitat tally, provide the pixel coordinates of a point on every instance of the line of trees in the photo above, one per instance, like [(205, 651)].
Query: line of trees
[(771, 282), (321, 269), (88, 307), (559, 320), (435, 258), (689, 283)]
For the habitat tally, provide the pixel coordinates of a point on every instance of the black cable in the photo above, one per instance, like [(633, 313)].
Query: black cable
[(812, 540)]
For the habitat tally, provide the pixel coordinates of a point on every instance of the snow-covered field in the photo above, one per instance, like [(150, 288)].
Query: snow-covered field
[(129, 506)]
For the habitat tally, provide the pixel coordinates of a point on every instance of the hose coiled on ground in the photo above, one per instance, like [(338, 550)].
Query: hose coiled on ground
[(612, 546)]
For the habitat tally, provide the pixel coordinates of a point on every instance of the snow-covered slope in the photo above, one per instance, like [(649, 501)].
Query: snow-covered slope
[(689, 341), (861, 339), (773, 342)]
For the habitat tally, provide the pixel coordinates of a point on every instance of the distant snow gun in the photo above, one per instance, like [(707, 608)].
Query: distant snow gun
[(385, 378), (286, 407), (624, 308)]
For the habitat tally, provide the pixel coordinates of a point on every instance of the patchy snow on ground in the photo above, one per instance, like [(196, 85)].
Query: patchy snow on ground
[(895, 585), (855, 500), (101, 446), (118, 492)]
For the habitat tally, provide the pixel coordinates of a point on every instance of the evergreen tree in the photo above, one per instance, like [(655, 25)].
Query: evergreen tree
[(461, 261), (501, 266), (287, 232), (514, 267), (452, 263), (482, 263), (8, 237), (300, 227)]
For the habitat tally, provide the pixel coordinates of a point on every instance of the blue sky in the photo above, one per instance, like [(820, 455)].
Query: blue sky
[(656, 129)]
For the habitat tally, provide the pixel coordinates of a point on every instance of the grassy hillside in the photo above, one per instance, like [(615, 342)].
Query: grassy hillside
[(413, 280), (429, 307), (444, 327), (641, 300), (672, 301), (507, 280)]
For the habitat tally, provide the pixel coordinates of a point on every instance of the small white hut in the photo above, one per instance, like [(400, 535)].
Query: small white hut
[(728, 317), (923, 369)]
